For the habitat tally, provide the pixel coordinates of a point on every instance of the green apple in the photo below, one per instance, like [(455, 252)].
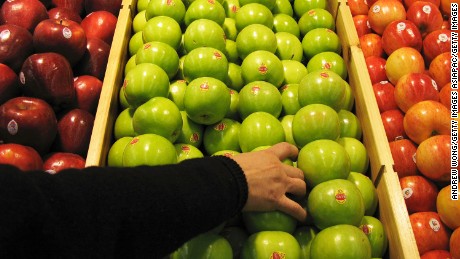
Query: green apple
[(290, 99), (236, 236), (205, 62), (206, 100), (135, 43), (122, 99), (315, 122), (232, 112), (253, 13), (323, 160), (368, 191), (115, 154), (320, 40), (262, 65), (231, 7), (222, 135), (144, 82), (335, 202), (164, 29), (158, 116), (294, 71), (286, 122), (316, 18), (204, 33), (205, 246), (187, 151), (286, 161), (235, 77), (358, 154), (259, 96), (191, 133), (227, 153), (285, 23), (270, 244), (255, 37), (270, 4), (171, 8), (131, 63), (350, 126), (289, 47), (260, 129), (340, 242), (139, 22), (142, 5), (256, 221), (177, 92), (283, 7), (231, 52), (303, 6), (205, 9), (180, 73), (149, 149), (349, 100), (161, 54), (328, 60), (304, 236), (323, 87), (230, 30), (374, 230), (123, 126)]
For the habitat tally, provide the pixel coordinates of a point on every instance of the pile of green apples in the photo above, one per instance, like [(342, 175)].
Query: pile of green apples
[(221, 77)]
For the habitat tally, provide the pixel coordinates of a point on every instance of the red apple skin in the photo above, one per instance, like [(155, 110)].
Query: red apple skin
[(436, 43), (384, 93), (64, 13), (15, 46), (408, 3), (413, 88), (9, 84), (112, 6), (419, 193), (28, 121), (448, 209), (439, 68), (24, 13), (453, 244), (445, 8), (88, 89), (56, 162), (23, 157), (444, 95), (403, 152), (48, 76), (94, 61), (65, 37), (358, 7), (393, 124), (362, 24), (100, 24), (74, 132), (426, 16), (429, 231), (383, 12), (401, 33), (371, 45), (433, 158), (77, 6), (436, 254), (376, 67)]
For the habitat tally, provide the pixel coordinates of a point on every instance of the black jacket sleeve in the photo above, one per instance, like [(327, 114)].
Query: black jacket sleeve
[(102, 212)]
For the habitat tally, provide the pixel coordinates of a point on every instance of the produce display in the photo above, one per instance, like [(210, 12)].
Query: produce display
[(407, 46)]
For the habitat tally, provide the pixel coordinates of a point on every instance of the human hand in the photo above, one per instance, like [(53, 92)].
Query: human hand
[(269, 180)]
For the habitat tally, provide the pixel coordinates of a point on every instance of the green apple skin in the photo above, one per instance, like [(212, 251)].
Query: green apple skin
[(205, 9), (316, 18), (335, 202), (289, 47), (161, 54), (135, 43), (350, 125), (205, 246), (256, 221), (142, 5), (231, 7), (236, 236), (206, 100), (270, 4), (283, 7), (255, 37), (303, 6), (294, 71), (164, 29), (232, 112), (204, 33), (139, 22), (357, 152), (349, 101), (177, 92), (191, 133), (187, 151), (158, 116), (322, 87), (323, 160), (286, 122), (171, 8), (130, 64), (123, 126), (222, 135), (374, 230), (328, 60), (340, 242), (180, 73), (262, 65), (260, 129), (270, 244), (253, 13), (235, 77), (259, 96), (290, 99), (205, 62), (286, 161), (320, 40), (230, 30), (115, 154), (315, 122), (231, 52), (367, 189), (227, 153), (285, 23), (144, 82), (122, 99), (305, 235), (149, 149)]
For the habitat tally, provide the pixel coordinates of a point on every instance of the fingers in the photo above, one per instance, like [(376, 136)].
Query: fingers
[(297, 187), (284, 150), (292, 208), (293, 172)]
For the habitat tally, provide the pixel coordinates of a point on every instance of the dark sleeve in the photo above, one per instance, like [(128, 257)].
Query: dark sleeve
[(118, 212)]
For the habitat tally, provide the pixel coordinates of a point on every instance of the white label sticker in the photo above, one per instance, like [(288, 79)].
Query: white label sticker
[(22, 78), (407, 192), (376, 9), (12, 127), (384, 82), (401, 26), (434, 224), (443, 37), (5, 35), (435, 86), (51, 171), (67, 33), (426, 9)]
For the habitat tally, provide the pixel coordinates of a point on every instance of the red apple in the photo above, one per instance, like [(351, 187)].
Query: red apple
[(403, 61), (413, 88), (445, 95), (48, 76), (371, 45), (433, 158), (100, 24), (403, 153), (88, 90), (24, 13), (361, 24), (65, 37), (20, 156), (426, 16), (74, 132), (419, 193), (445, 8), (383, 12), (94, 61), (9, 84), (436, 254), (358, 7), (385, 96), (429, 231), (74, 5), (448, 209), (55, 162), (16, 44), (112, 6), (440, 67), (393, 124), (64, 13), (408, 3), (376, 67), (28, 121), (453, 244), (435, 43), (401, 33)]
